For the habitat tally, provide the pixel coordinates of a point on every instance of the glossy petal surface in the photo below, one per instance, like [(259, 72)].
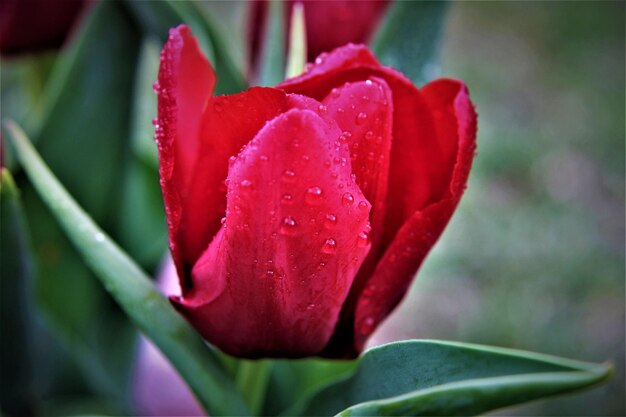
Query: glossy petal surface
[(273, 280), (228, 124), (455, 125), (184, 88), (423, 154)]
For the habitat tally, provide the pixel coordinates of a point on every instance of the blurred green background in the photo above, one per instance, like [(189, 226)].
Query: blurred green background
[(533, 259)]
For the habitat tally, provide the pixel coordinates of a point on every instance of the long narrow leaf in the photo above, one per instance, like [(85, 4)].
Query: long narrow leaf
[(132, 289), (422, 377)]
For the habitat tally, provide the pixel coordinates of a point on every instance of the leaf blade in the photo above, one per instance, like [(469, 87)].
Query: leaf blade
[(409, 377), (132, 289), (408, 38)]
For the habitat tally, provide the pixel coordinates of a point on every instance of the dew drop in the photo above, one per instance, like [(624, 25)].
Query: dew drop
[(286, 199), (322, 109), (361, 118), (313, 195), (330, 221), (367, 326), (330, 246), (232, 160), (368, 82), (289, 175), (369, 135), (264, 158), (99, 237), (288, 226), (347, 199), (246, 183), (362, 205), (335, 92), (363, 239), (310, 307), (223, 220), (269, 273)]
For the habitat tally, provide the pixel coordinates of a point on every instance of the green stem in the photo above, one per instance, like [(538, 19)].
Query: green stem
[(297, 42), (252, 379)]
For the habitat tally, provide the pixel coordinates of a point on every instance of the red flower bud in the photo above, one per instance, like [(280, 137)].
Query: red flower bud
[(34, 25), (298, 215), (329, 24)]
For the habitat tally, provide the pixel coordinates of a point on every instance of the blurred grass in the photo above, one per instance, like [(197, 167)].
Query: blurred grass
[(534, 259)]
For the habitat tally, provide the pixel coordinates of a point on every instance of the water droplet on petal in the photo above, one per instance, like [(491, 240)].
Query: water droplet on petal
[(330, 221), (361, 118), (286, 199), (330, 246), (369, 135), (313, 195), (362, 205), (246, 183), (289, 175), (322, 109), (269, 273), (223, 220), (367, 326), (264, 158), (335, 92), (288, 226), (347, 199), (363, 239)]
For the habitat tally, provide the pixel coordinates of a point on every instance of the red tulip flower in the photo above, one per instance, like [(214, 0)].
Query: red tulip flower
[(298, 215), (329, 24)]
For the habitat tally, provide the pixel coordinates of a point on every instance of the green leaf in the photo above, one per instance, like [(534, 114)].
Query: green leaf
[(141, 226), (132, 289), (422, 377), (144, 107), (292, 381), (16, 319), (157, 17), (84, 138), (273, 47), (408, 38)]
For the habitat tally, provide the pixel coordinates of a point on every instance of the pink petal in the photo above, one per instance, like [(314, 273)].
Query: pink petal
[(274, 279)]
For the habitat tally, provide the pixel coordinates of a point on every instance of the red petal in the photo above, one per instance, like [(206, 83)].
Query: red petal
[(345, 64), (455, 125), (185, 85), (422, 154), (364, 112), (229, 123), (274, 279)]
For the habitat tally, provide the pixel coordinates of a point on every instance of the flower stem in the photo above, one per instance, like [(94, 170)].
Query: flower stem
[(297, 42), (252, 379)]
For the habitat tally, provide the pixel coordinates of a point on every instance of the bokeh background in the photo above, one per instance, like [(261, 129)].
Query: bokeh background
[(533, 259)]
